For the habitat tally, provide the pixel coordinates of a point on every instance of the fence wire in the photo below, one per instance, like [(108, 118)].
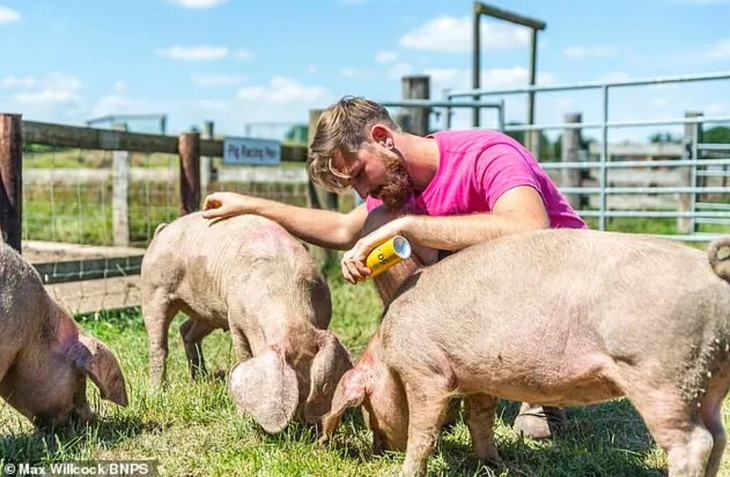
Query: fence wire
[(86, 244)]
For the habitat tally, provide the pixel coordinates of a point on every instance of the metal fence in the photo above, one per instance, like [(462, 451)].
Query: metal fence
[(701, 161)]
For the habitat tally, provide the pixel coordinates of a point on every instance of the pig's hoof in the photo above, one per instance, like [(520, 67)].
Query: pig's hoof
[(539, 422)]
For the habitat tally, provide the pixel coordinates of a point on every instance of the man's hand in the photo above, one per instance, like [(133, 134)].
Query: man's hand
[(220, 205), (353, 265)]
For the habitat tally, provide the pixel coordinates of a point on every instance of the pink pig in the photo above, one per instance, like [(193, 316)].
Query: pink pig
[(44, 357), (248, 275), (559, 318)]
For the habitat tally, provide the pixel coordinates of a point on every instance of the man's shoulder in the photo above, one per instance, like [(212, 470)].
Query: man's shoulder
[(471, 140)]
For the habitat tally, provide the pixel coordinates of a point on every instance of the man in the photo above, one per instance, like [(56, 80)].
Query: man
[(443, 192)]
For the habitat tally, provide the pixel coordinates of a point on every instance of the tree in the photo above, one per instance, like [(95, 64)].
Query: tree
[(664, 138), (297, 134), (718, 134)]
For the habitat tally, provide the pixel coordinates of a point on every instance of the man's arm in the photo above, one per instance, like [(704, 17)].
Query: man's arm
[(517, 210), (324, 228)]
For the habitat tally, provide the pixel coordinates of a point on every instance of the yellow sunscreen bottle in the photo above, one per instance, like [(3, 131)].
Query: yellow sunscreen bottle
[(387, 254)]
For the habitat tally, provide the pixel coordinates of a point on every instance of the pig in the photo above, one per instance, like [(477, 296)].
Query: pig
[(557, 317), (44, 357), (246, 274)]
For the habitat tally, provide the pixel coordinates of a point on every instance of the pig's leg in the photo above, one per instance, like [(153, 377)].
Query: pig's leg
[(193, 332), (240, 343), (428, 404), (158, 312), (676, 428), (711, 415), (479, 409)]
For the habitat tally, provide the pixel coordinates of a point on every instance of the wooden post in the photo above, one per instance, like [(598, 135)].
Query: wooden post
[(417, 87), (206, 162), (571, 146), (189, 150), (692, 135), (120, 193), (11, 178), (320, 198)]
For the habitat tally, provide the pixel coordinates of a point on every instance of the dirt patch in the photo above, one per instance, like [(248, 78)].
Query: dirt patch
[(87, 296)]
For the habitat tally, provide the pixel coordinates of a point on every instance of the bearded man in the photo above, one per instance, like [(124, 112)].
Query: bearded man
[(443, 192)]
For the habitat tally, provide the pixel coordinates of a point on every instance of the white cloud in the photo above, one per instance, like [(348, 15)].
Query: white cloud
[(15, 82), (120, 86), (495, 78), (454, 35), (590, 51), (312, 69), (355, 73), (54, 88), (399, 70), (194, 53), (8, 16), (283, 90), (217, 80), (199, 4), (719, 50), (386, 56)]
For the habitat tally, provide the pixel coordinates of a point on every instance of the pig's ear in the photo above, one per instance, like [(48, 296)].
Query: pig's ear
[(101, 366), (266, 388), (350, 392), (328, 366)]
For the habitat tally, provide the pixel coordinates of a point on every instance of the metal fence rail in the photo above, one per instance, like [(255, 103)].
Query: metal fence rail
[(693, 159)]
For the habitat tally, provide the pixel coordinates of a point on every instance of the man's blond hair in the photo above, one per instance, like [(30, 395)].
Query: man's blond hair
[(341, 130)]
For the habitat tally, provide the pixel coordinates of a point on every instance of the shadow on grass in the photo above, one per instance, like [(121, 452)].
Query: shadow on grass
[(608, 439), (69, 442)]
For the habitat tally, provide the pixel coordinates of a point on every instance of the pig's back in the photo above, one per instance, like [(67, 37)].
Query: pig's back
[(194, 255), (23, 300), (546, 292)]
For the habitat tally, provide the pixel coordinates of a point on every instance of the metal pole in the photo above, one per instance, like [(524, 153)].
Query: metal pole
[(693, 177), (534, 137), (604, 161), (476, 67)]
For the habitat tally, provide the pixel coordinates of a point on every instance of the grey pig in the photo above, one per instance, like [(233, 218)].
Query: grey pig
[(248, 275), (44, 357), (560, 318)]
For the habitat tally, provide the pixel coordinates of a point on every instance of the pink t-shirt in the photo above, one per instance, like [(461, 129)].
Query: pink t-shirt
[(476, 168)]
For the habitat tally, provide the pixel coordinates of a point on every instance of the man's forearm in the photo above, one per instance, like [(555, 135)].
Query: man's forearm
[(316, 226), (458, 232)]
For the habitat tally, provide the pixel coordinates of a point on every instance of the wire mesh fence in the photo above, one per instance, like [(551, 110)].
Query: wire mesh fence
[(88, 215)]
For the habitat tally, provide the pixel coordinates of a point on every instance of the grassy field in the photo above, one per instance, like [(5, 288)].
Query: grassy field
[(192, 429)]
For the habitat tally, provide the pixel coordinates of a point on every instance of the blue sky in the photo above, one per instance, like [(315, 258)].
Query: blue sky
[(238, 62)]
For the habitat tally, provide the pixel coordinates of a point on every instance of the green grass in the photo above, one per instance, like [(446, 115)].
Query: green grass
[(193, 429)]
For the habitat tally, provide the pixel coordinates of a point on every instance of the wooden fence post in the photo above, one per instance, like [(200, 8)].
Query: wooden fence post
[(189, 150), (571, 145), (120, 193), (416, 120), (206, 162), (11, 178), (692, 135), (320, 198)]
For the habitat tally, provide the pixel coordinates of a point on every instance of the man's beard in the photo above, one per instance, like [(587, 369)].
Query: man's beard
[(399, 184)]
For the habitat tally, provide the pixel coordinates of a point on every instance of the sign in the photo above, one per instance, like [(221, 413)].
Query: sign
[(251, 152)]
